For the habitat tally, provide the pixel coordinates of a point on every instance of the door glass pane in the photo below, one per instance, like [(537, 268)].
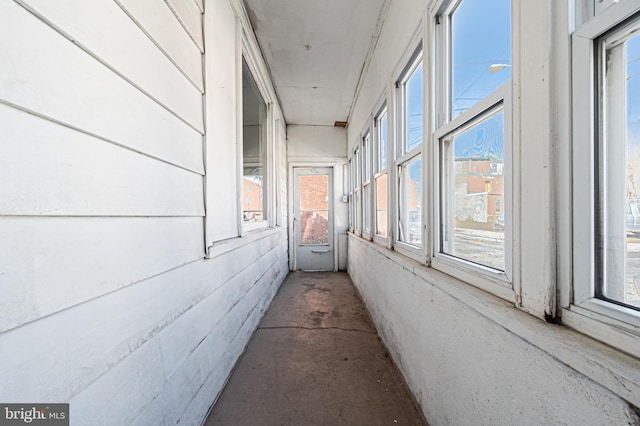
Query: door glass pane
[(411, 202), (481, 33), (620, 174), (381, 205), (314, 209), (473, 194)]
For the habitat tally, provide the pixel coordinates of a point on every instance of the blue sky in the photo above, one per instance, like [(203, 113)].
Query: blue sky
[(481, 37), (414, 103)]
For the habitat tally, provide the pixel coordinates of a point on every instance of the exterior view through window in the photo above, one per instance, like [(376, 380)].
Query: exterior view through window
[(472, 151), (618, 180), (253, 148), (478, 191), (409, 153)]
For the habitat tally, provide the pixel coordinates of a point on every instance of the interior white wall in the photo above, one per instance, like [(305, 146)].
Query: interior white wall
[(108, 302), (324, 145), (470, 357), (463, 365)]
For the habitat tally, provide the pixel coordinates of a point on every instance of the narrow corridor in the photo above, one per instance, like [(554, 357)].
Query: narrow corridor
[(316, 360)]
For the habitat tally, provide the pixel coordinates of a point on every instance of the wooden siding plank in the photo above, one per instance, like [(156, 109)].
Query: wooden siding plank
[(207, 340), (243, 320), (221, 119), (190, 16), (200, 4), (50, 264), (52, 170), (103, 28), (161, 25), (51, 77), (116, 326)]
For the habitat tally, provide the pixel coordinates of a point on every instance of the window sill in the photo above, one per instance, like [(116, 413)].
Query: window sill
[(611, 368), (485, 278), (219, 248), (252, 226), (603, 326), (414, 252)]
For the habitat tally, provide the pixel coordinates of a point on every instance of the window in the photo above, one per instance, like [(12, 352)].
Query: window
[(254, 114), (480, 42), (357, 201), (473, 138), (350, 180), (617, 188), (366, 184), (471, 230), (606, 163), (408, 155), (410, 223), (381, 174)]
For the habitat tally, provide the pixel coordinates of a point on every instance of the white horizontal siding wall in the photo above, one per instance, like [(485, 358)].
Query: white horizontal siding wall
[(108, 302)]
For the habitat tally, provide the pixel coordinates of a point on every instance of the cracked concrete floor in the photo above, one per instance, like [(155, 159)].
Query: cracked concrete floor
[(316, 360)]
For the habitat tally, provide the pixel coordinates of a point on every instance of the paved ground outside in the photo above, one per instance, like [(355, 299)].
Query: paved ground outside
[(316, 360)]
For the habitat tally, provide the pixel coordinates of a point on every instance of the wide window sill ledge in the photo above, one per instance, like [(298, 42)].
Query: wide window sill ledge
[(611, 368), (219, 248)]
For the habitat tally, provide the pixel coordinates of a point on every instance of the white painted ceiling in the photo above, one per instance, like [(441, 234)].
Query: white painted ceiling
[(315, 50)]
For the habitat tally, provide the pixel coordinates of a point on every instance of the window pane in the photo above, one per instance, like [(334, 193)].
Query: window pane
[(620, 186), (473, 193), (350, 179), (382, 142), (356, 181), (253, 148), (481, 31), (366, 151), (366, 202), (381, 205), (410, 224), (314, 209), (413, 109), (358, 211)]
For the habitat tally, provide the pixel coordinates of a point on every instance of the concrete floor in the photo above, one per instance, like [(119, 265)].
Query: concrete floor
[(316, 360)]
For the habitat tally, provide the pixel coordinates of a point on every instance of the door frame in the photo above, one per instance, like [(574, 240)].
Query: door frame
[(290, 208)]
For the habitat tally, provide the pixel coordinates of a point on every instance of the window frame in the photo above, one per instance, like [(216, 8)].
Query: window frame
[(500, 283), (402, 156), (357, 192), (485, 277), (366, 165), (269, 158), (350, 180), (609, 322), (380, 170)]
